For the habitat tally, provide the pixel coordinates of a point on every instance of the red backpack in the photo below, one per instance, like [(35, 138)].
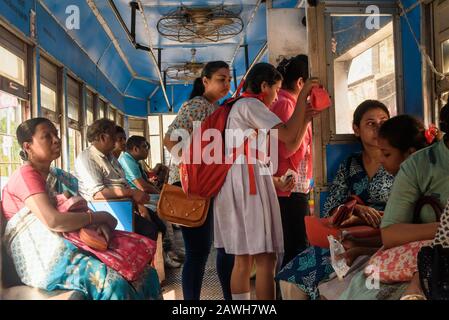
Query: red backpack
[(205, 180)]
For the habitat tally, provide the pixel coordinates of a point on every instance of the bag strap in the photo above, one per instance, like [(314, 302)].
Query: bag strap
[(427, 200)]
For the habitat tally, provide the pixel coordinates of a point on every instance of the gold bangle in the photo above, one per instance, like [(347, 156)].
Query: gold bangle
[(89, 213), (413, 297)]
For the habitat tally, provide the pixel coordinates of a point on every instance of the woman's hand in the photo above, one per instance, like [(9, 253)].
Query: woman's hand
[(371, 216), (308, 86), (350, 255), (284, 186), (104, 217), (105, 231)]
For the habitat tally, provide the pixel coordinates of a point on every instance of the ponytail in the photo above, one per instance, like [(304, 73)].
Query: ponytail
[(198, 88), (209, 69)]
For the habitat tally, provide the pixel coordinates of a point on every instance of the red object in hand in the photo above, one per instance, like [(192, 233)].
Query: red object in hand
[(92, 239), (319, 99), (431, 134)]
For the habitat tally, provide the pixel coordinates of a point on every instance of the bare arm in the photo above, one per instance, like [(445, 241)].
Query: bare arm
[(292, 132), (169, 144), (145, 186), (399, 234), (113, 193), (136, 195), (40, 205)]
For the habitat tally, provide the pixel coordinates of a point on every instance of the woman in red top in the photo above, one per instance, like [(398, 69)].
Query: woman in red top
[(293, 192)]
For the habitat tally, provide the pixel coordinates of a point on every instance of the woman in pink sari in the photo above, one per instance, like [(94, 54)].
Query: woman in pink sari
[(42, 257)]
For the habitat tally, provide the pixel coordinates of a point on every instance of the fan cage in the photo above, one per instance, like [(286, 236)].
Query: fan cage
[(200, 24)]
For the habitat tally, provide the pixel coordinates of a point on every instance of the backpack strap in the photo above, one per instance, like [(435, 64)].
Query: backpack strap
[(251, 171)]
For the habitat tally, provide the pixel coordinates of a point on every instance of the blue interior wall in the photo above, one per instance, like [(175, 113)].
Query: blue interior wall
[(18, 12), (54, 40), (177, 95), (412, 62)]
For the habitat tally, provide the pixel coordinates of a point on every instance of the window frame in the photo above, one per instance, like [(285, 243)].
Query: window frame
[(23, 117), (101, 104), (161, 146), (54, 116), (329, 128), (440, 36), (111, 110), (20, 49)]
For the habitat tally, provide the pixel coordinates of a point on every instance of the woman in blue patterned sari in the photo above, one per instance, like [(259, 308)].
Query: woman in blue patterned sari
[(360, 174), (41, 256)]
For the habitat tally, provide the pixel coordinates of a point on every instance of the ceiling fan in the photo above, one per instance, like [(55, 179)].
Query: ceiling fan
[(186, 72), (195, 24)]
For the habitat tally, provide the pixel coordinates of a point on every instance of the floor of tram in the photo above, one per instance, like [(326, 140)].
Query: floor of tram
[(211, 289)]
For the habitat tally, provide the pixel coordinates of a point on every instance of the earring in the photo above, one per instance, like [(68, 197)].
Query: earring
[(23, 155)]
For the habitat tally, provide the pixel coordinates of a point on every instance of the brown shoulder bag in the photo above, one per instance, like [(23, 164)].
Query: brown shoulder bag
[(174, 206)]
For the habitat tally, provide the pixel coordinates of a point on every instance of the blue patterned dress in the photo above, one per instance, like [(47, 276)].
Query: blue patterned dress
[(313, 265)]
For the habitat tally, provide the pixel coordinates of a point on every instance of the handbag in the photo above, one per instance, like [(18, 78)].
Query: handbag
[(433, 263), (128, 253), (176, 207), (399, 264), (319, 99), (341, 222)]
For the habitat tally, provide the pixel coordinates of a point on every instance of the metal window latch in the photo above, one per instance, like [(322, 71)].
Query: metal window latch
[(13, 86)]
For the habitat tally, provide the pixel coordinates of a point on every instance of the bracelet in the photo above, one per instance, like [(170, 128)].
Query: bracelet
[(413, 297), (89, 213)]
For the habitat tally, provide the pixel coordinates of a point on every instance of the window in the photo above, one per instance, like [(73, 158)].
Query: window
[(74, 144), (102, 105), (12, 66), (120, 119), (10, 118), (73, 99), (363, 67), (111, 113), (89, 108), (167, 120), (154, 128), (136, 127), (445, 48), (74, 131), (49, 91), (48, 98)]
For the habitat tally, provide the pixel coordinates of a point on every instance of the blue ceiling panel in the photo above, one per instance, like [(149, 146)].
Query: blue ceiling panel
[(257, 30), (52, 38), (140, 89), (135, 107), (119, 69), (105, 88), (139, 60), (177, 95), (279, 4), (90, 34), (18, 12), (114, 68)]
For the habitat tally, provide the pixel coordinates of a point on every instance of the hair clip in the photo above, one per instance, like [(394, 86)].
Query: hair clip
[(431, 133)]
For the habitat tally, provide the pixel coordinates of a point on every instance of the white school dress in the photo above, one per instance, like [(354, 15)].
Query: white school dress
[(245, 223)]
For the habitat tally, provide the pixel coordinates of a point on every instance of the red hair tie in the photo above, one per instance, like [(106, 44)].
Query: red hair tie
[(431, 133)]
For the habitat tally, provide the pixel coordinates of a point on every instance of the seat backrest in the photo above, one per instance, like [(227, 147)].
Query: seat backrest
[(122, 210)]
